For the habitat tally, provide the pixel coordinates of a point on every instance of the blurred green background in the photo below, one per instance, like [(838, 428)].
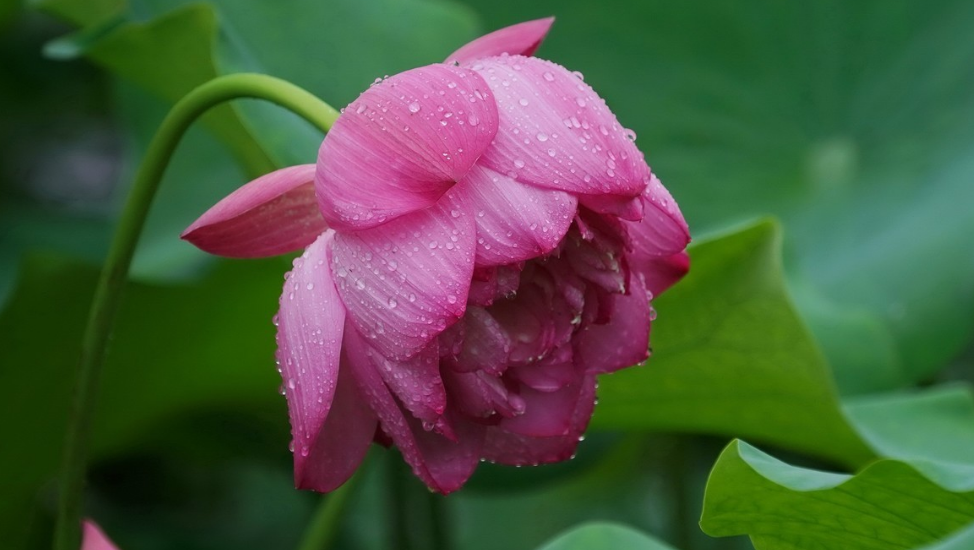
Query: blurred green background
[(837, 334)]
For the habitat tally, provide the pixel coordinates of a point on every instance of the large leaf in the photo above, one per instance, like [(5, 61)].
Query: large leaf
[(888, 505), (604, 536), (850, 121), (732, 357), (175, 350)]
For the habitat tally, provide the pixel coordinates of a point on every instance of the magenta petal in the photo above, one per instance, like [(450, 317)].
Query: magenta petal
[(624, 340), (275, 214), (485, 344), (415, 381), (556, 132), (662, 273), (406, 281), (342, 441), (402, 144), (442, 464), (520, 39), (546, 414), (515, 222), (310, 326), (515, 449), (92, 537), (662, 230)]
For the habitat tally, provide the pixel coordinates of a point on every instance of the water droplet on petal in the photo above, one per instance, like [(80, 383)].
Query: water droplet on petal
[(414, 107), (548, 76)]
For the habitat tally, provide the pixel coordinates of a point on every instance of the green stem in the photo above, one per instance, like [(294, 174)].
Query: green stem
[(109, 290), (323, 527)]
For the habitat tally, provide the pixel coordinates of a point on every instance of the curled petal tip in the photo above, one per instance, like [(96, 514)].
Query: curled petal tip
[(520, 39), (275, 214)]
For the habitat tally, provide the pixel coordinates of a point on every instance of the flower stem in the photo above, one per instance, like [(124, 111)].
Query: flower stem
[(67, 534), (323, 527)]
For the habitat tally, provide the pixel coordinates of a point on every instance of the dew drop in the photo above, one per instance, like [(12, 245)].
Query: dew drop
[(414, 107), (548, 76), (518, 163), (542, 136), (523, 102)]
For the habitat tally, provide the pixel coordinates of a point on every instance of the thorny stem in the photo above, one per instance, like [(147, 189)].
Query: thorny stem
[(108, 293)]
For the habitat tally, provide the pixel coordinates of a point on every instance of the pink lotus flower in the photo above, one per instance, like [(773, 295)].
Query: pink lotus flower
[(482, 239)]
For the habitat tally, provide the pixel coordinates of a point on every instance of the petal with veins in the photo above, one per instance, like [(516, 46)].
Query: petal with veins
[(520, 39), (556, 132), (510, 448), (546, 414), (515, 222), (310, 326), (662, 273), (406, 281), (442, 464), (275, 214), (624, 340), (402, 144), (662, 230)]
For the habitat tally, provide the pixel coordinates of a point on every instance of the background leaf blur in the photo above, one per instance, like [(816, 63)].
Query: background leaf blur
[(850, 122)]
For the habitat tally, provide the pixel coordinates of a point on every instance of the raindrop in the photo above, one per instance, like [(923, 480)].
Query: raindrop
[(630, 135), (473, 120), (393, 303), (542, 136), (518, 163), (414, 107), (523, 102), (311, 286), (548, 76), (580, 102)]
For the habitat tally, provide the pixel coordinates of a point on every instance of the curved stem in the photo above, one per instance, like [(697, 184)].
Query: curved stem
[(109, 289)]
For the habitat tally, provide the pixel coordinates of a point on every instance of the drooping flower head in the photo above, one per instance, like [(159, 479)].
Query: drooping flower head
[(483, 238)]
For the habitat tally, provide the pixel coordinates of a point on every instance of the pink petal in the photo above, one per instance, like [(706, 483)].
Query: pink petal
[(485, 344), (404, 282), (275, 214), (480, 395), (510, 448), (624, 340), (442, 464), (662, 273), (92, 537), (546, 414), (515, 222), (552, 373), (492, 283), (415, 381), (402, 144), (662, 230), (342, 441), (310, 326), (520, 39), (556, 132), (627, 208)]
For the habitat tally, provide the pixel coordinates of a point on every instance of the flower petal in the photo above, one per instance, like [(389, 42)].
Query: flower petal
[(492, 283), (275, 214), (662, 230), (556, 132), (486, 344), (92, 537), (546, 414), (310, 326), (520, 39), (404, 282), (415, 381), (519, 450), (515, 222), (442, 464), (624, 340), (402, 144), (342, 441), (662, 273)]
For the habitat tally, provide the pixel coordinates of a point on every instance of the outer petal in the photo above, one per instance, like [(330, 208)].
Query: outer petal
[(546, 414), (556, 132), (92, 537), (402, 144), (509, 448), (275, 214), (520, 39), (442, 464), (662, 273), (309, 340), (406, 281), (515, 222), (342, 441), (624, 340), (662, 230), (415, 381)]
